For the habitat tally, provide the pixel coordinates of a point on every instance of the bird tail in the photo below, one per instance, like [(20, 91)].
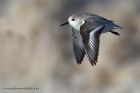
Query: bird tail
[(115, 26)]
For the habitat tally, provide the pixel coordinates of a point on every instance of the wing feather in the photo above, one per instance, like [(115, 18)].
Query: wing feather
[(91, 41), (78, 47)]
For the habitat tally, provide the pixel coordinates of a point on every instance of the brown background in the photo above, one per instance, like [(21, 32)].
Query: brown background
[(35, 52)]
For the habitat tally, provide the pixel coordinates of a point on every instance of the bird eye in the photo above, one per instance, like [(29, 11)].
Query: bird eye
[(73, 19)]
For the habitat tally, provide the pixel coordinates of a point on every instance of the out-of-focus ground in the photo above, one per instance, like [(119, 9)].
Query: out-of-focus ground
[(35, 52)]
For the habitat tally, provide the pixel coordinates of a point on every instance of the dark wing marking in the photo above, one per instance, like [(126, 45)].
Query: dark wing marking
[(91, 40), (78, 47)]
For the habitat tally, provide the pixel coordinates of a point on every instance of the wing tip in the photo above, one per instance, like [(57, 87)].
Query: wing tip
[(79, 61), (93, 63)]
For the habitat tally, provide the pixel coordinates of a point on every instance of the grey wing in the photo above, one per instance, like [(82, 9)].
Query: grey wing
[(92, 49), (91, 43), (78, 47), (98, 21)]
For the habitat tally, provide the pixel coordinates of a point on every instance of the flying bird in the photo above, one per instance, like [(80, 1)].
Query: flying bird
[(87, 29)]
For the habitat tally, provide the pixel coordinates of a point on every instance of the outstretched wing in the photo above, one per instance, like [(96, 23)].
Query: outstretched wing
[(78, 46), (90, 36)]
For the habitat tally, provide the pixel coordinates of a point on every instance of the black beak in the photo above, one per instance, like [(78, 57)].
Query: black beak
[(64, 23)]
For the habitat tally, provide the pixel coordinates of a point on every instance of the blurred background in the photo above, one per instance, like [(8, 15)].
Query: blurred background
[(35, 52)]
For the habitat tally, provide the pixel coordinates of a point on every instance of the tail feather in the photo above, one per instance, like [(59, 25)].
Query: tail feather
[(115, 33), (115, 26)]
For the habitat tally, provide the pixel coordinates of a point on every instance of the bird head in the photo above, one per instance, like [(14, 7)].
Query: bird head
[(75, 21)]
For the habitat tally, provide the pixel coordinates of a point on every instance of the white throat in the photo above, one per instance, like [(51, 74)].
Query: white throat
[(76, 24)]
